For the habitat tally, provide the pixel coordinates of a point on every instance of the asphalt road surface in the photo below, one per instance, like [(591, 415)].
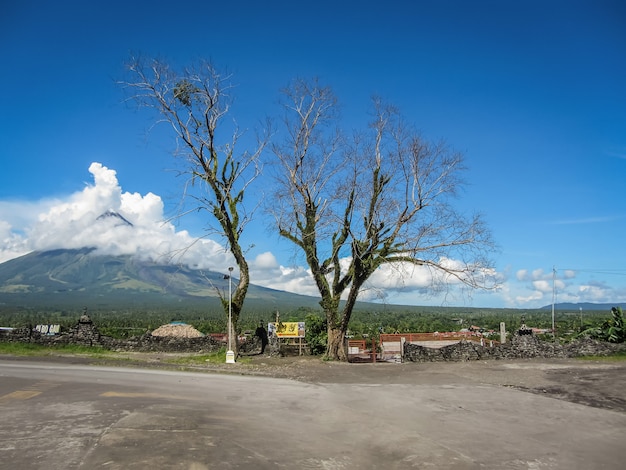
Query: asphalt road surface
[(69, 416)]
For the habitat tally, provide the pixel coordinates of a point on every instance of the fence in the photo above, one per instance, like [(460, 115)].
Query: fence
[(391, 346), (359, 352)]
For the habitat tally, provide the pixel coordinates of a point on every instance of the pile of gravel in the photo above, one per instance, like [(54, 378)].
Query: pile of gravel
[(177, 330)]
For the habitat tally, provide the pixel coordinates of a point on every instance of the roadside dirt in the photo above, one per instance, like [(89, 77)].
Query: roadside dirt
[(599, 383)]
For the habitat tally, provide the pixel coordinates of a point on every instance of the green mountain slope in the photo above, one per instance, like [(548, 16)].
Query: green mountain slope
[(67, 279), (70, 277)]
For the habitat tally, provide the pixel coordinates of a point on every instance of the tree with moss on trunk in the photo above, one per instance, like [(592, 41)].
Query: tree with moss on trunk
[(194, 103), (377, 204)]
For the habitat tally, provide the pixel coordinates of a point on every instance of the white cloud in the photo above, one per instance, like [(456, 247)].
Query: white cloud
[(266, 261), (12, 244), (535, 288), (594, 293), (522, 275), (395, 283), (569, 274), (542, 286), (531, 298), (537, 274), (267, 272), (75, 223)]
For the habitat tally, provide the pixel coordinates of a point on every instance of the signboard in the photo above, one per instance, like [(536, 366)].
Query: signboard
[(48, 329), (287, 329)]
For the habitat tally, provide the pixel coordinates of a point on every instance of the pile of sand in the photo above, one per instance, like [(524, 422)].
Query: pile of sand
[(177, 330)]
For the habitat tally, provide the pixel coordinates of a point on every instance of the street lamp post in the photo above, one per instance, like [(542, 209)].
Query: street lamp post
[(230, 355), (553, 301), (581, 318)]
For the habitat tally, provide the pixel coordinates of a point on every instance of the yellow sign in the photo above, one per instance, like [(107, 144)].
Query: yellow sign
[(288, 329)]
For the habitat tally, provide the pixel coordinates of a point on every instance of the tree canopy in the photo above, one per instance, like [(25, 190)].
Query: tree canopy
[(380, 198), (195, 103)]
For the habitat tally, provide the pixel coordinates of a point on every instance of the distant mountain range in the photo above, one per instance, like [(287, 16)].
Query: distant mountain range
[(81, 277), (586, 306)]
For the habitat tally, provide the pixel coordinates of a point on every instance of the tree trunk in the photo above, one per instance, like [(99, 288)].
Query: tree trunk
[(336, 346)]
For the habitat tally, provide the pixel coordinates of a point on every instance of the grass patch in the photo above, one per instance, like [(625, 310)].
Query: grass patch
[(22, 349), (619, 356), (218, 357), (94, 352), (31, 349)]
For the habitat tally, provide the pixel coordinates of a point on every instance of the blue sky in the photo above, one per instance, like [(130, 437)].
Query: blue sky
[(532, 92)]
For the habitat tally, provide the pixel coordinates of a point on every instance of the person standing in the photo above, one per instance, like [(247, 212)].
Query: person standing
[(261, 332)]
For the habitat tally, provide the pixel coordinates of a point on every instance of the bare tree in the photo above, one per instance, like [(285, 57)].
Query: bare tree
[(195, 102), (381, 199)]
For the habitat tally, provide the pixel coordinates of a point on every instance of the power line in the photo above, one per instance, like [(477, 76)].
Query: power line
[(616, 272)]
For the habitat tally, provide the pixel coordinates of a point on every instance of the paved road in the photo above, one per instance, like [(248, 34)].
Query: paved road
[(59, 416)]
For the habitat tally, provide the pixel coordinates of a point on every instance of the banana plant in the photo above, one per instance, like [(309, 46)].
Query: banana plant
[(612, 330)]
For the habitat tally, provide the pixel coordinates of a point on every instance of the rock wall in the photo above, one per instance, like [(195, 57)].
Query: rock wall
[(85, 333), (149, 343), (520, 347)]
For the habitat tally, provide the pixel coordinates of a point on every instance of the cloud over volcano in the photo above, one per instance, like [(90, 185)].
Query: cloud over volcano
[(106, 218)]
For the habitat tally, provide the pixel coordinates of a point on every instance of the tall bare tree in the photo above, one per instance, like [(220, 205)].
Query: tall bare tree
[(379, 199), (195, 103)]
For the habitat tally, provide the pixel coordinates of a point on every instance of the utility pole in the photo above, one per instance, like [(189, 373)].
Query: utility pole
[(553, 301)]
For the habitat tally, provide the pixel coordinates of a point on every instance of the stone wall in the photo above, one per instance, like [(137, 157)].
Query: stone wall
[(149, 343), (85, 333), (520, 347)]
